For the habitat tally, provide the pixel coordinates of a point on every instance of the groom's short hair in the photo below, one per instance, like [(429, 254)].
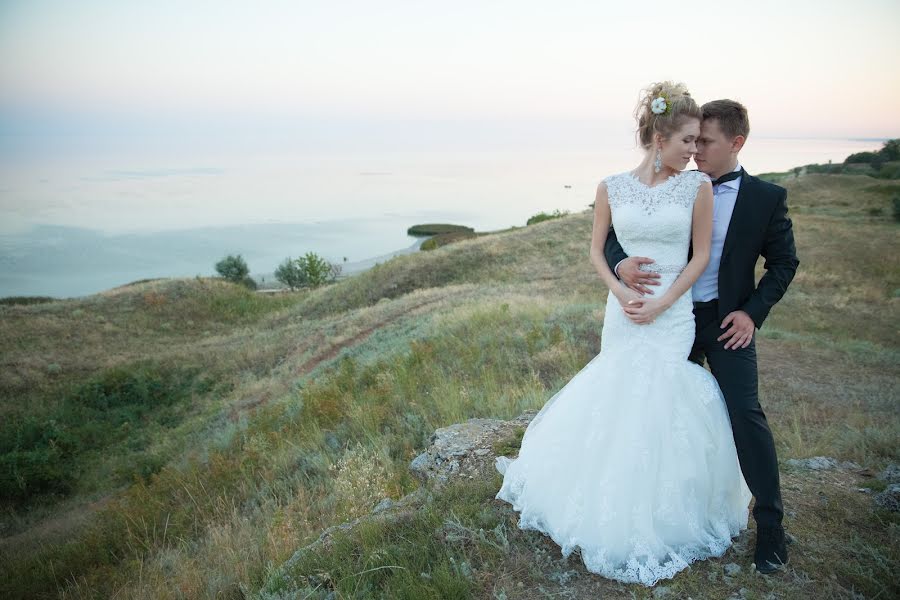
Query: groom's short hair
[(731, 115)]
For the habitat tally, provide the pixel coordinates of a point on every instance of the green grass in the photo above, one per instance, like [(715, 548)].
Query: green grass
[(431, 553)]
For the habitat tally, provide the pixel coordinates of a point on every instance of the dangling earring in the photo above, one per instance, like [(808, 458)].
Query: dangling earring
[(657, 164)]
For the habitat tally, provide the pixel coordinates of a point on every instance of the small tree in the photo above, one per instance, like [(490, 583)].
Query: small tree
[(308, 270), (318, 270), (233, 268), (891, 150), (290, 274)]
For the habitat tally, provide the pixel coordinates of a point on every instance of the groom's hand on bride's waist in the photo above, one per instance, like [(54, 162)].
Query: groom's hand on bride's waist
[(740, 330), (628, 270)]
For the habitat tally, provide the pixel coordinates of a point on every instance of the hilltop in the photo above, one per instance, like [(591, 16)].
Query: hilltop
[(229, 429)]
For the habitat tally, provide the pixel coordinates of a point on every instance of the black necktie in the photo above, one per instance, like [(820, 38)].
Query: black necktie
[(727, 177)]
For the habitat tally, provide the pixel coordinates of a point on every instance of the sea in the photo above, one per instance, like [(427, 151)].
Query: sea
[(74, 223)]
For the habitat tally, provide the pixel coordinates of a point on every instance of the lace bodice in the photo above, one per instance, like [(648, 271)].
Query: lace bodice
[(654, 221)]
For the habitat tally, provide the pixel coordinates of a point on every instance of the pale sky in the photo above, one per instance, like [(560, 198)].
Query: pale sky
[(803, 68)]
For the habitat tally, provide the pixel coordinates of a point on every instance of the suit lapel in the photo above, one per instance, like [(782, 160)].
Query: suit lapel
[(742, 210)]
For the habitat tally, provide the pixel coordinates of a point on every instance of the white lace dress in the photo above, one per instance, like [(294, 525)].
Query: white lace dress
[(633, 460)]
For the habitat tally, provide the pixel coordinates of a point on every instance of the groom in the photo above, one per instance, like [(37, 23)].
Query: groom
[(749, 219)]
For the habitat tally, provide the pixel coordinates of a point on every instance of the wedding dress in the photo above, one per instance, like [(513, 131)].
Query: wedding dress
[(633, 461)]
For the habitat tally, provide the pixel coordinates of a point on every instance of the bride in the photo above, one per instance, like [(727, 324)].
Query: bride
[(640, 473)]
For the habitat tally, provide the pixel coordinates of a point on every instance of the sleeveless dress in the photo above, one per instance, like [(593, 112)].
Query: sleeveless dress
[(633, 461)]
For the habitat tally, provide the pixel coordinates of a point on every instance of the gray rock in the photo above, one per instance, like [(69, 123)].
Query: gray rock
[(420, 463), (820, 463), (891, 473), (385, 504), (464, 449), (662, 592), (732, 569), (889, 498), (742, 542)]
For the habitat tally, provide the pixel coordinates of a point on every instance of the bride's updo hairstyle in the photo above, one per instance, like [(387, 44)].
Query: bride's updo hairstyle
[(679, 106)]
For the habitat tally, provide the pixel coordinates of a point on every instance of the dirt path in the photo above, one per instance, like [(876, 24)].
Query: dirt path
[(329, 353)]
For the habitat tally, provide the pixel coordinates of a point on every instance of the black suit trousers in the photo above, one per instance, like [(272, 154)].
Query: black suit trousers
[(736, 372)]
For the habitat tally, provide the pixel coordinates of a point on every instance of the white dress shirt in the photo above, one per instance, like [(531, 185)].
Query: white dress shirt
[(724, 196)]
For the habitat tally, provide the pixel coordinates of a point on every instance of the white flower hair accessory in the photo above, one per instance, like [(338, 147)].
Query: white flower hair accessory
[(659, 106)]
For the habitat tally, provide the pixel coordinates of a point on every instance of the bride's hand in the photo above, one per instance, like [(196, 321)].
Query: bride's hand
[(625, 294), (645, 311)]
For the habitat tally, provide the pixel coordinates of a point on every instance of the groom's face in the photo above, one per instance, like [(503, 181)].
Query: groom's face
[(715, 150)]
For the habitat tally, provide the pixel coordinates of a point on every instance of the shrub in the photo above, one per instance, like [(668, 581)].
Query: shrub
[(891, 150), (26, 299), (42, 453), (290, 274), (860, 157), (308, 270), (542, 216), (235, 269)]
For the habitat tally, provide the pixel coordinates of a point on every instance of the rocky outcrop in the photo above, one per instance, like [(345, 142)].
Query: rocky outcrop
[(465, 449), (889, 498), (820, 463)]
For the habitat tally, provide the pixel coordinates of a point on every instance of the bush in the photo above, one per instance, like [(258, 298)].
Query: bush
[(542, 216), (309, 270), (895, 201), (235, 269), (318, 270), (826, 168), (290, 274), (889, 151), (861, 157), (42, 452), (10, 300)]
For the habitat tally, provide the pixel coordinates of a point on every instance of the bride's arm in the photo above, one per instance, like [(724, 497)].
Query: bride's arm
[(645, 310), (602, 220)]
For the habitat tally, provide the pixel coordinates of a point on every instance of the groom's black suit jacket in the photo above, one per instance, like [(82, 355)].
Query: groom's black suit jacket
[(759, 226)]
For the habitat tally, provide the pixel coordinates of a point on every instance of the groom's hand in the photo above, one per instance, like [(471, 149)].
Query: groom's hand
[(630, 274), (740, 332)]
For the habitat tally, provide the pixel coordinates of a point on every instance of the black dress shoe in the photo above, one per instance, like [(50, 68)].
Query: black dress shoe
[(771, 551)]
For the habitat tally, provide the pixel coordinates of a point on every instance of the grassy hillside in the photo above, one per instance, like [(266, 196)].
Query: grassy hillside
[(181, 438)]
